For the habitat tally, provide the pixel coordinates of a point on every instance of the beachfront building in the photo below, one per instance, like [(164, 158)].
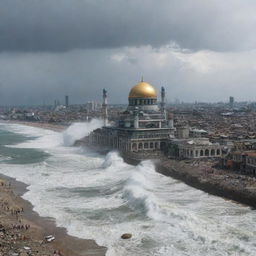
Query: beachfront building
[(250, 166), (241, 161), (142, 131), (193, 148)]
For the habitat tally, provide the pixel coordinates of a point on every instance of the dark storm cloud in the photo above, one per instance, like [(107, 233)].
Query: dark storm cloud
[(61, 25), (37, 78), (198, 49)]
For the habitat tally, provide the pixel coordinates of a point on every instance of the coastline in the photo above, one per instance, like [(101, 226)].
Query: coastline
[(63, 245), (201, 174), (218, 182), (66, 244), (227, 184), (48, 126), (223, 183)]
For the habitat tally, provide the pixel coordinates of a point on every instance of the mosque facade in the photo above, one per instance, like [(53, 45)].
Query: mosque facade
[(145, 130), (142, 131)]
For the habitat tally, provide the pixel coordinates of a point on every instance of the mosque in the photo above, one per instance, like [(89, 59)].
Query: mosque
[(145, 131), (142, 131)]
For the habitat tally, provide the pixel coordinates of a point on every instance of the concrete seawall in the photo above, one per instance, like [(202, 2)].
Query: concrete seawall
[(210, 186)]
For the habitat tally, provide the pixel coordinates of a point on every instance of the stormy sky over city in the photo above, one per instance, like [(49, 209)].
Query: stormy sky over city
[(199, 50)]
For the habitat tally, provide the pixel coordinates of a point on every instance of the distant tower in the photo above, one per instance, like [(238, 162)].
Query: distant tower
[(66, 101), (105, 107), (231, 101), (163, 100)]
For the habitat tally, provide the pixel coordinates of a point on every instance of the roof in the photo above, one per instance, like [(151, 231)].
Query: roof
[(143, 90)]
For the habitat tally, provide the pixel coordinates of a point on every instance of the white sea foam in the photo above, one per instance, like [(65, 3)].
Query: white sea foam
[(101, 197), (4, 158), (50, 139), (79, 130)]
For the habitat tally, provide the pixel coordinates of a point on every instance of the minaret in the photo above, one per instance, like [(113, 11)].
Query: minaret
[(162, 100), (105, 107)]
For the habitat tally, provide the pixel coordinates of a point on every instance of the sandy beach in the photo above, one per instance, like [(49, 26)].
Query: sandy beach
[(198, 174), (15, 236), (23, 232), (74, 192)]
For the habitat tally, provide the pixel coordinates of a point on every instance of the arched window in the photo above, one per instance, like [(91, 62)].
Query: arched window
[(145, 145), (207, 152), (134, 146), (151, 145), (156, 145), (201, 152), (212, 152), (218, 152), (140, 146)]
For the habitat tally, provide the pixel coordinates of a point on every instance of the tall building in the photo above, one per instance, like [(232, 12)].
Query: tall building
[(231, 101), (66, 101), (142, 131)]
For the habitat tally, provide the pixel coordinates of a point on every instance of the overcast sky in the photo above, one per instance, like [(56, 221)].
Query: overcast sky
[(200, 50)]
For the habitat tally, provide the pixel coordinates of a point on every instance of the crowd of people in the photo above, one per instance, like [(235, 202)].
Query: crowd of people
[(15, 235)]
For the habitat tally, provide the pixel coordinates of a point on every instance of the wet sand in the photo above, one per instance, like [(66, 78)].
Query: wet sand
[(202, 175), (66, 244), (16, 236)]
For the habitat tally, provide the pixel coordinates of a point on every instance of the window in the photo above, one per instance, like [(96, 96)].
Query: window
[(162, 145)]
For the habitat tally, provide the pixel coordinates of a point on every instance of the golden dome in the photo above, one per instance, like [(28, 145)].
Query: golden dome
[(143, 90)]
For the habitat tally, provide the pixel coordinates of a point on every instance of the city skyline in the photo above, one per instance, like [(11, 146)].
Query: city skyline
[(200, 51)]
